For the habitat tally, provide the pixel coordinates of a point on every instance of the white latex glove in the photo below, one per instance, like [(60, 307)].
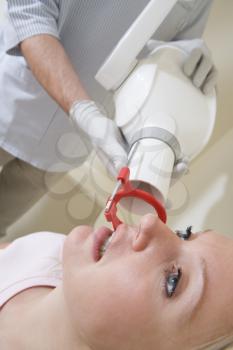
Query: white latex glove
[(201, 70), (198, 66), (180, 169), (102, 132)]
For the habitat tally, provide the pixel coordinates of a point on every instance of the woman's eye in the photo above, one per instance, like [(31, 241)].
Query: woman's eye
[(172, 281)]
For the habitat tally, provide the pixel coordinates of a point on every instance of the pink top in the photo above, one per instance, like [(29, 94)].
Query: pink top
[(30, 261)]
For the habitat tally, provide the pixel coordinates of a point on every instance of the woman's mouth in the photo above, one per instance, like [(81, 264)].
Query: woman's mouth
[(102, 239)]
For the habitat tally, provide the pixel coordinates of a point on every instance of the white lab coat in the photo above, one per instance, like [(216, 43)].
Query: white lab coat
[(32, 126)]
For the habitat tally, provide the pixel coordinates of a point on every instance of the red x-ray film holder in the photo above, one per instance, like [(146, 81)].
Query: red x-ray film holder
[(125, 189)]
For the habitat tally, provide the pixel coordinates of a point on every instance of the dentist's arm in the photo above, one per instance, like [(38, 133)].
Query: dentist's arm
[(53, 69)]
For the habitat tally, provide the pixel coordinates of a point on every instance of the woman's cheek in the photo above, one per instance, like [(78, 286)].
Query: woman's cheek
[(113, 295), (123, 292)]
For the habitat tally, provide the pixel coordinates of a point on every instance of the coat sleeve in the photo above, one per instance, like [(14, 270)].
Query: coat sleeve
[(32, 17)]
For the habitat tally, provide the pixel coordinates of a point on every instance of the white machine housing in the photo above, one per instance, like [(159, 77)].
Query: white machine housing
[(162, 116)]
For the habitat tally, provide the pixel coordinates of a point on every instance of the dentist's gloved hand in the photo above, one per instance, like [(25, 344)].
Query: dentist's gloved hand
[(180, 169), (198, 66), (201, 70), (102, 132)]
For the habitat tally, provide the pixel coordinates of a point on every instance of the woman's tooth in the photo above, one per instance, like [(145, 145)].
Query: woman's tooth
[(106, 244)]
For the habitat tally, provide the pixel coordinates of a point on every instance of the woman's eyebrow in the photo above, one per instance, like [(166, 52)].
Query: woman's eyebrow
[(207, 230), (196, 298)]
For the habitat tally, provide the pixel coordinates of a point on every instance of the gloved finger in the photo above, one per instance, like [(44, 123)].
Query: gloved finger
[(180, 169), (202, 71), (210, 82), (114, 157), (192, 62)]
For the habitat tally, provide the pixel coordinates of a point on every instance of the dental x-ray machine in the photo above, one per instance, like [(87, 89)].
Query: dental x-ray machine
[(163, 117)]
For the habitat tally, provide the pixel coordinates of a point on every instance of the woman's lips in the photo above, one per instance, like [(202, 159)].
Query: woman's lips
[(100, 236)]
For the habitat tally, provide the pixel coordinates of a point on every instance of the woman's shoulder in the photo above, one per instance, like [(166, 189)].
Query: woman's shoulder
[(34, 245), (36, 237), (30, 261)]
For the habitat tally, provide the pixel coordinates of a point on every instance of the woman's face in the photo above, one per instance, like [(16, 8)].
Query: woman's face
[(151, 289)]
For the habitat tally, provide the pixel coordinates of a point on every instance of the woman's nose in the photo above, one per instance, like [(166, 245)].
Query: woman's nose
[(150, 228)]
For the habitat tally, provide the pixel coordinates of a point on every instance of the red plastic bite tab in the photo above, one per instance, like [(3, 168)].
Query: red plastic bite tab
[(124, 175), (127, 190)]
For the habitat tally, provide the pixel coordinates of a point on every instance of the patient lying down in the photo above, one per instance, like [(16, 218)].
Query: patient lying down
[(151, 289)]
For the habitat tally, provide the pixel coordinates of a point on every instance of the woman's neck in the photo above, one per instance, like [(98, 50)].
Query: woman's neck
[(37, 319)]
